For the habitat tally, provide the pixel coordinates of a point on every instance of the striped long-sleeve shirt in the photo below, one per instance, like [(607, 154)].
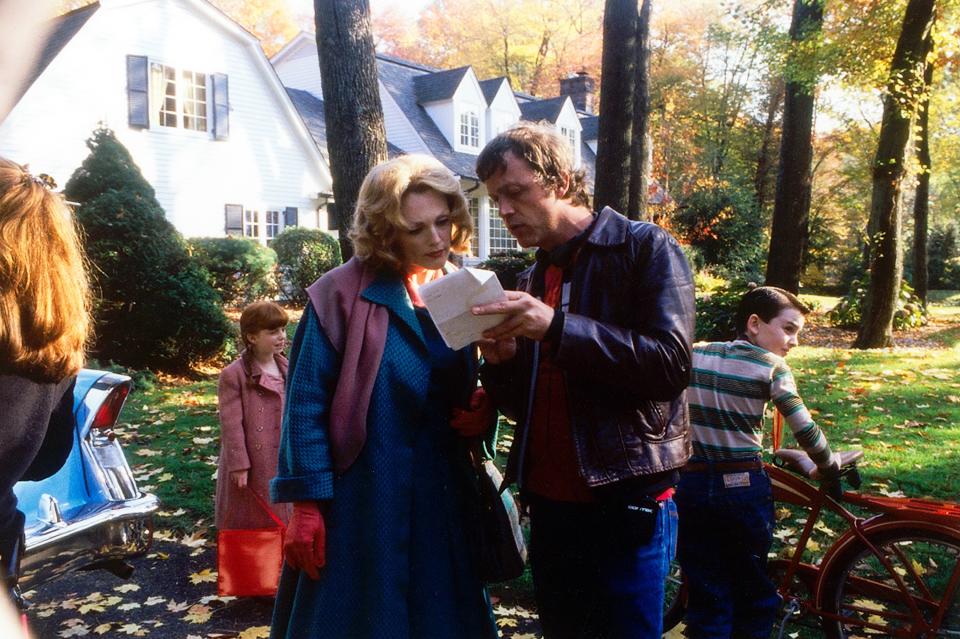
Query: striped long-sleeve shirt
[(732, 383)]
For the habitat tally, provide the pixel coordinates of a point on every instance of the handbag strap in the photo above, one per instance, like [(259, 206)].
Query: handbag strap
[(267, 508)]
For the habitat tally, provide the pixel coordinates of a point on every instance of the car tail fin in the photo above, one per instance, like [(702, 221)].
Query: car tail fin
[(109, 410)]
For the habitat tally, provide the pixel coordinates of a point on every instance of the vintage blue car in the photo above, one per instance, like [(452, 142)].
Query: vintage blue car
[(90, 514)]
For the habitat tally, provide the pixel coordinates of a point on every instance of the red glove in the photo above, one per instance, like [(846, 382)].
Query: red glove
[(475, 421), (305, 542)]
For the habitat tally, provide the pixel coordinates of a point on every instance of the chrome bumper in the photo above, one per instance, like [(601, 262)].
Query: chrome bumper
[(111, 530)]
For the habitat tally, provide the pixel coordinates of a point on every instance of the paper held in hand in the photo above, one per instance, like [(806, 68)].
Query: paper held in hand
[(450, 298)]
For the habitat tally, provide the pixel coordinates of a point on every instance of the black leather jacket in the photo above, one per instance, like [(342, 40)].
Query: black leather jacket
[(625, 351)]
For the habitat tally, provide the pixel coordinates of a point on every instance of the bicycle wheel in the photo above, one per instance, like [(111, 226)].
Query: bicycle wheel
[(869, 600), (674, 597)]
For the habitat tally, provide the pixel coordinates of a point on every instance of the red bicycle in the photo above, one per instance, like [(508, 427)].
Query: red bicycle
[(894, 572)]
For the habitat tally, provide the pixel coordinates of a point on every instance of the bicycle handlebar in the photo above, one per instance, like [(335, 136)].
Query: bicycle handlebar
[(799, 462)]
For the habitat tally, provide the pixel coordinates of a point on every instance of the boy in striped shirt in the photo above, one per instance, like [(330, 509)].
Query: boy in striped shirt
[(724, 497)]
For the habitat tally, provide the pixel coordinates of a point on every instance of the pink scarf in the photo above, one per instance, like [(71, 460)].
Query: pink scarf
[(358, 331)]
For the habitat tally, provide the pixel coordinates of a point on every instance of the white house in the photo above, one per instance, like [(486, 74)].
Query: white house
[(449, 114), (192, 96)]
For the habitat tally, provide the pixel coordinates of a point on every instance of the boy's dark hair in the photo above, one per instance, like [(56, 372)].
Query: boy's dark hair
[(766, 302)]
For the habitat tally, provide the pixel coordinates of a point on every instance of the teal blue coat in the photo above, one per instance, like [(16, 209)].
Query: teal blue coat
[(398, 561)]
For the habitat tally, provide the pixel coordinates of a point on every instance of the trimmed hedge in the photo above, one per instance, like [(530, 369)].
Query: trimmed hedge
[(507, 265), (241, 270), (303, 256)]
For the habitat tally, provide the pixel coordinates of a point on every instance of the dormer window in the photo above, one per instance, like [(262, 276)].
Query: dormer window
[(162, 96), (470, 129), (571, 136)]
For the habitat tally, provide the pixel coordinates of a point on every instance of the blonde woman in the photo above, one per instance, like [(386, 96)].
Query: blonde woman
[(44, 323), (376, 470)]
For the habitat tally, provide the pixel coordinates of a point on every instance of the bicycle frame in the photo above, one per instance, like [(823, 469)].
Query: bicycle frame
[(892, 513)]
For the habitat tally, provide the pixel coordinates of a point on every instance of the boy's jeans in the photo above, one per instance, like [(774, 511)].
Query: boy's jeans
[(726, 529), (592, 580)]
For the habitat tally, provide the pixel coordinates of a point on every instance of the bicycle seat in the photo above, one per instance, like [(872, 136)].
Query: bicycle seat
[(799, 462)]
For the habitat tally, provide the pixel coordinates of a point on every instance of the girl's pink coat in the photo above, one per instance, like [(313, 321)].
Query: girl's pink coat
[(250, 416)]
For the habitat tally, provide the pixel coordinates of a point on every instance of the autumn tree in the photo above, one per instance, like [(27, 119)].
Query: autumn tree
[(269, 20), (356, 137), (533, 43), (921, 202), (905, 87), (792, 204)]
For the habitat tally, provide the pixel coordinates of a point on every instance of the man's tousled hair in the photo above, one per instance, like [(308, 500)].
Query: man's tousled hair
[(546, 152)]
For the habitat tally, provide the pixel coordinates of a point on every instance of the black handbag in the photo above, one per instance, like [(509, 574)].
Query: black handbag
[(500, 547)]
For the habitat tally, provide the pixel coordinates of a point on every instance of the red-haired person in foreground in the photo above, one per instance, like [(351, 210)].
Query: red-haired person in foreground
[(44, 325)]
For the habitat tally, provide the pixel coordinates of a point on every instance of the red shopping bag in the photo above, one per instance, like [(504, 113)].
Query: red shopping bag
[(249, 559)]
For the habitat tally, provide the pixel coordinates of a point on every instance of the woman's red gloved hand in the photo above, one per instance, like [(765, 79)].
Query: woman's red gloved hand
[(305, 542), (476, 420)]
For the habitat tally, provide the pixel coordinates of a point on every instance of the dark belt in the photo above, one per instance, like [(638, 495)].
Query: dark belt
[(722, 467)]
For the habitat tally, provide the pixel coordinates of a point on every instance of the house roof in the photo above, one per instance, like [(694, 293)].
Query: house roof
[(61, 31), (439, 85), (590, 126), (311, 111), (491, 87), (536, 110), (399, 78)]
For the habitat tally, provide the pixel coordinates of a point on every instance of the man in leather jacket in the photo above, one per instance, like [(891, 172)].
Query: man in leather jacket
[(591, 362)]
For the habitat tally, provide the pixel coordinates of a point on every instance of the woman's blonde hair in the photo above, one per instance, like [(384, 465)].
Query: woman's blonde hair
[(377, 221), (44, 292)]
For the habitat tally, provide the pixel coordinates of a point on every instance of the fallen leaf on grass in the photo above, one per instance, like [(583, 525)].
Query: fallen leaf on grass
[(205, 575), (507, 622), (175, 606), (133, 629), (127, 588), (153, 601), (128, 606), (102, 629), (256, 632), (148, 452), (194, 540), (198, 613)]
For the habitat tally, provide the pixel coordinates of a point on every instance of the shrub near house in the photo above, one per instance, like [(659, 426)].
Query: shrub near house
[(303, 256), (241, 270), (154, 306)]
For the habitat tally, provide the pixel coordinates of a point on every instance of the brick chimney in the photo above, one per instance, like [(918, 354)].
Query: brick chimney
[(580, 89)]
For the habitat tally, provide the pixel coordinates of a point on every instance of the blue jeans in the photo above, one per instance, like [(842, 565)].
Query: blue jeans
[(598, 572), (726, 528)]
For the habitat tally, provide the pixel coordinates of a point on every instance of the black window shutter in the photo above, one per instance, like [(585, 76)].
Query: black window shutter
[(221, 107), (291, 216), (138, 84), (234, 223)]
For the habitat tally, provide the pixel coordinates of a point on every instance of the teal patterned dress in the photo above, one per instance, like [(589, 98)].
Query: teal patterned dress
[(398, 561)]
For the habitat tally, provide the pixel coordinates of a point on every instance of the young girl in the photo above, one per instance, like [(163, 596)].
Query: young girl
[(251, 394)]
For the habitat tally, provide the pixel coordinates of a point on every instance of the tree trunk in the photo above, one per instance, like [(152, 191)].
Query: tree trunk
[(640, 155), (921, 205), (356, 138), (617, 77), (764, 159), (791, 206), (902, 97)]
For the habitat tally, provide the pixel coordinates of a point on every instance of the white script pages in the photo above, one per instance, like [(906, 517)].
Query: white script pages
[(450, 298)]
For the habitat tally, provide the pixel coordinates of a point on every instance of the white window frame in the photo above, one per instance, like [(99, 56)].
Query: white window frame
[(499, 237), (473, 208), (251, 223), (469, 129), (179, 98), (271, 224)]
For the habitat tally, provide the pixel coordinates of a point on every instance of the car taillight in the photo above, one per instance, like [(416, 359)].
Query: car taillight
[(109, 410)]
